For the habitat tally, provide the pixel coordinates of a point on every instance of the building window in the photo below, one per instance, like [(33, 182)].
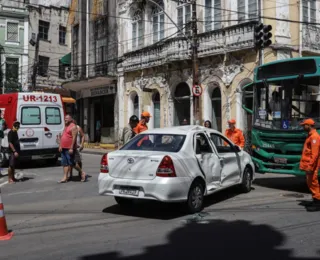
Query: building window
[(100, 28), (137, 31), (100, 58), (212, 15), (12, 32), (156, 110), (309, 11), (44, 30), (247, 9), (158, 22), (62, 35), (12, 69), (43, 66), (184, 18)]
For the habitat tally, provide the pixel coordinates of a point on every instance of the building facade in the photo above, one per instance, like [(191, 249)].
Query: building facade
[(49, 23), (14, 26), (155, 70), (94, 60)]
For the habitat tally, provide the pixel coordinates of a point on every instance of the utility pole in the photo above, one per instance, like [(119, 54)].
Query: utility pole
[(260, 21), (35, 64), (195, 64)]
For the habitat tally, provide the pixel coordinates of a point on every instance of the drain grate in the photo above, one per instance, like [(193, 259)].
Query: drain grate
[(293, 195)]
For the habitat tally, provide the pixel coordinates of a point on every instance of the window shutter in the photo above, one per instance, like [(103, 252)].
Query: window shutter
[(313, 11), (217, 14), (241, 10), (155, 29), (253, 8), (305, 11), (208, 15), (156, 112), (12, 32), (134, 35)]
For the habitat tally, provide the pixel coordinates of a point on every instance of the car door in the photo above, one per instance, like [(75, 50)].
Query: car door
[(208, 160), (231, 169)]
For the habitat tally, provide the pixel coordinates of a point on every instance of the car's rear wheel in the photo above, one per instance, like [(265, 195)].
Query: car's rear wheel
[(195, 197), (123, 201), (246, 183)]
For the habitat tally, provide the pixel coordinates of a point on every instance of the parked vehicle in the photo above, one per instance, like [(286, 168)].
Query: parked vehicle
[(42, 120), (177, 164)]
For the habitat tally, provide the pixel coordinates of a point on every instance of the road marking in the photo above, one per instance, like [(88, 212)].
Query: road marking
[(2, 184)]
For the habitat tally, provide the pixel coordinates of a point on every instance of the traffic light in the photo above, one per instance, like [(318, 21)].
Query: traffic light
[(262, 36), (258, 36), (267, 35)]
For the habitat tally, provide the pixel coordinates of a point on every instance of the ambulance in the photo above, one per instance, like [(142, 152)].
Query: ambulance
[(42, 120)]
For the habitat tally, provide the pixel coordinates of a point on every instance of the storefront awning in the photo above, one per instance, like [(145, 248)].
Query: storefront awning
[(66, 60), (89, 83), (68, 100)]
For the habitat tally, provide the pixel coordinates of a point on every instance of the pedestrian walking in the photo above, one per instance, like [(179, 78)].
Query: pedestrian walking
[(128, 131), (68, 147), (235, 134), (80, 146), (310, 162), (14, 146)]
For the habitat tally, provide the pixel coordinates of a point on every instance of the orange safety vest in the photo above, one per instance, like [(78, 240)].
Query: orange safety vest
[(236, 136), (141, 127), (310, 153)]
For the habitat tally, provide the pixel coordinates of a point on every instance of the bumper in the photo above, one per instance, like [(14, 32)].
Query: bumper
[(41, 154), (161, 189), (268, 167)]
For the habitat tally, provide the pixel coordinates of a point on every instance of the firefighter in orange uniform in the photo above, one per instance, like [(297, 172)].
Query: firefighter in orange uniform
[(142, 126), (235, 134), (309, 162)]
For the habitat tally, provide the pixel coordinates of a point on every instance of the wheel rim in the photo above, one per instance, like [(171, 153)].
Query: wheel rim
[(196, 197)]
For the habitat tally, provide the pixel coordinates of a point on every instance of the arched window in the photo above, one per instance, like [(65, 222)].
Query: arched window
[(158, 22), (137, 30), (133, 105), (182, 104), (136, 106), (216, 108), (156, 110)]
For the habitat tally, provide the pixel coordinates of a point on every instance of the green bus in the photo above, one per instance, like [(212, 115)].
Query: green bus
[(283, 93)]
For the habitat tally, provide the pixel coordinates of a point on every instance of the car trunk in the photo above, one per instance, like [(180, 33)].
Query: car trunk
[(134, 165)]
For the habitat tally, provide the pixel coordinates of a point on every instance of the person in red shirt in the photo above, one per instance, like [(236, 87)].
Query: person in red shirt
[(235, 134), (142, 126), (310, 161), (67, 147)]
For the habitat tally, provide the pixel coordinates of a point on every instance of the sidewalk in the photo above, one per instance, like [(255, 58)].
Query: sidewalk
[(99, 151)]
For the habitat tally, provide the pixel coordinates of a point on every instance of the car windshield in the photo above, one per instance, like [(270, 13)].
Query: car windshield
[(156, 142), (284, 106)]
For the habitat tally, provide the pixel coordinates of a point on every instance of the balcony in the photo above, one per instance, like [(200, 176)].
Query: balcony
[(310, 38), (233, 38)]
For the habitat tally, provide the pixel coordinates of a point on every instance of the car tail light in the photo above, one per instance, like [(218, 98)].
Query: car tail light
[(166, 168), (46, 129), (104, 167)]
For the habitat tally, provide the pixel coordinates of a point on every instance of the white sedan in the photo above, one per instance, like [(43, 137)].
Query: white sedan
[(176, 164)]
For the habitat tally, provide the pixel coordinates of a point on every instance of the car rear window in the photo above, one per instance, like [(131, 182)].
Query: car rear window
[(30, 116), (156, 142), (53, 116)]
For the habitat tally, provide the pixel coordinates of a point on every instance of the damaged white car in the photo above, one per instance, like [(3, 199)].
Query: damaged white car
[(177, 164)]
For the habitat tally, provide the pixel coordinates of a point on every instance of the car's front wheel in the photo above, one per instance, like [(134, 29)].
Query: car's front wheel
[(195, 197), (123, 201), (246, 183)]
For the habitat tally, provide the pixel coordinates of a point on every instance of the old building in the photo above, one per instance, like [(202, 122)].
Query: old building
[(14, 26), (49, 22), (94, 59), (155, 73)]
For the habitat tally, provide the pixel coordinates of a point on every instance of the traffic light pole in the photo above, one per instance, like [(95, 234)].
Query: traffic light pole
[(195, 64)]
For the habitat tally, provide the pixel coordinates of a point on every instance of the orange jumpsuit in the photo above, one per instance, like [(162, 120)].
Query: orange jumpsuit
[(141, 127), (236, 136), (309, 162)]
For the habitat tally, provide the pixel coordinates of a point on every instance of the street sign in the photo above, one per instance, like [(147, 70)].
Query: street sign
[(197, 90)]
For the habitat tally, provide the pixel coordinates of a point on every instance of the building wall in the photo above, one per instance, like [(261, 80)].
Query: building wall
[(17, 49), (229, 68), (51, 48)]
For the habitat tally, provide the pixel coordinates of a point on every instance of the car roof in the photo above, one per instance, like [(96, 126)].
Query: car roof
[(182, 130)]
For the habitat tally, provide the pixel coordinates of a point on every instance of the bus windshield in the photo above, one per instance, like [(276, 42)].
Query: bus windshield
[(283, 105)]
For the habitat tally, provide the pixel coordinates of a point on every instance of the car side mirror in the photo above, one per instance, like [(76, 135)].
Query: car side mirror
[(237, 148)]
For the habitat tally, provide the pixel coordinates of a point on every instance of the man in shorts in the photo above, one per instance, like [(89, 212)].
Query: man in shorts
[(68, 147), (14, 146), (80, 145)]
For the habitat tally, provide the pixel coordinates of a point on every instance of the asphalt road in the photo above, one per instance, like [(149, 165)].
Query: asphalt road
[(70, 221)]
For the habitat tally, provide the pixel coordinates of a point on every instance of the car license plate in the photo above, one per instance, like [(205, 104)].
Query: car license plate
[(128, 191), (280, 160)]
